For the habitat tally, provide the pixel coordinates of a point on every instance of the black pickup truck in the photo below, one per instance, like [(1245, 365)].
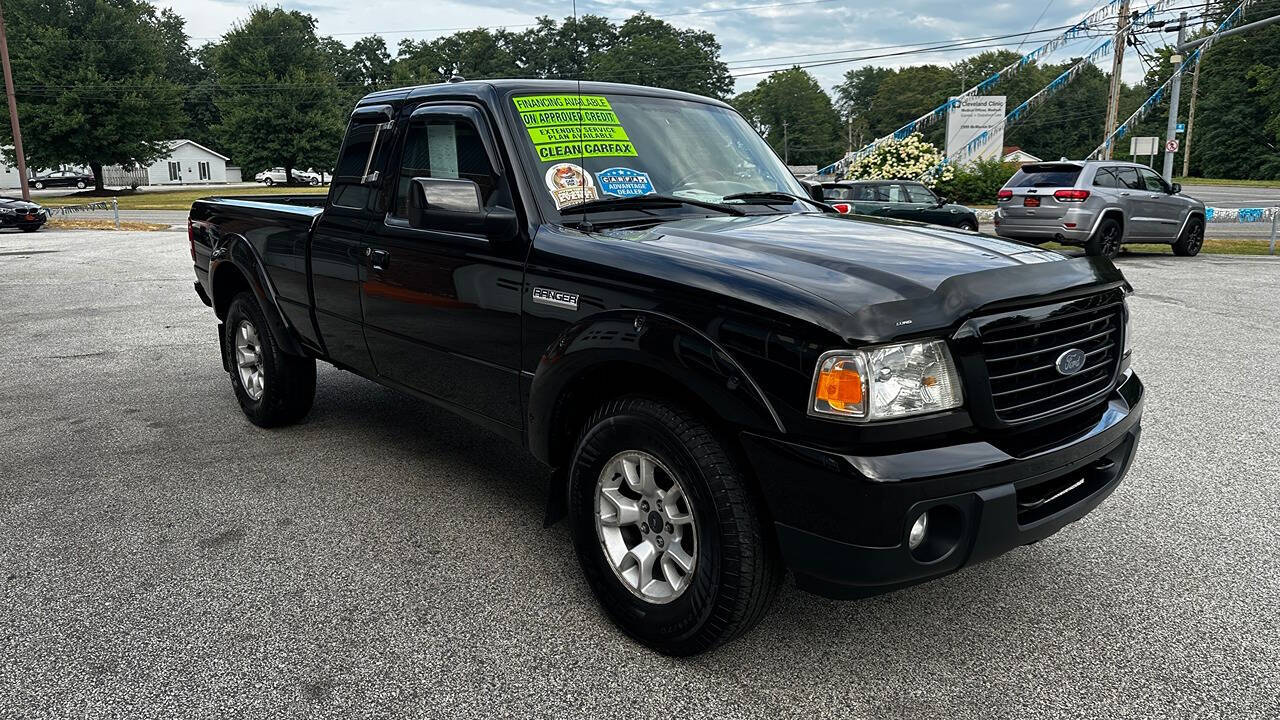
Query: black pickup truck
[(725, 377)]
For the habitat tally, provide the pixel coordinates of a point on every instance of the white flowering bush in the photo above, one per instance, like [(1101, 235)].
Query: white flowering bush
[(910, 158)]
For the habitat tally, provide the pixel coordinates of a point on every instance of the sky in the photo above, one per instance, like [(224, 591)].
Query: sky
[(753, 40)]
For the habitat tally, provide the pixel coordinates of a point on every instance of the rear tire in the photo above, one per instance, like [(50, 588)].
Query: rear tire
[(1106, 239), (39, 186), (968, 226), (80, 184), (712, 570), (268, 182), (1192, 239), (273, 387)]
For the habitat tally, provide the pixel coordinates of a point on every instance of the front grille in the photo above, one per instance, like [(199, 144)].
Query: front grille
[(1021, 350)]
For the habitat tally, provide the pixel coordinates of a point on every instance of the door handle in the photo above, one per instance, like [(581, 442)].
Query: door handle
[(380, 259)]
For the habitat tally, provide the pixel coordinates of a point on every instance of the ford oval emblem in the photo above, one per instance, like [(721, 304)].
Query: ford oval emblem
[(1071, 361)]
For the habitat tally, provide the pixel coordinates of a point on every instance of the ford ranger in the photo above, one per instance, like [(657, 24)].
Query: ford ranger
[(725, 378)]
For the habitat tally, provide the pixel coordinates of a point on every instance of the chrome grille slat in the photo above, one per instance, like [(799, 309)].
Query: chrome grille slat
[(1019, 350)]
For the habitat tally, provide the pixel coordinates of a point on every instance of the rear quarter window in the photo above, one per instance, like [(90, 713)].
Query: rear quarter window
[(1045, 176)]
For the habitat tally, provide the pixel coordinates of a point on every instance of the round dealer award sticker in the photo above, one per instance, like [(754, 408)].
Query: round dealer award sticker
[(570, 185)]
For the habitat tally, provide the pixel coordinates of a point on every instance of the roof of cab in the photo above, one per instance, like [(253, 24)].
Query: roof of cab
[(488, 87)]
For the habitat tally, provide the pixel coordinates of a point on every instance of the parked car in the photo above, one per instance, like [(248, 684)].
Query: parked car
[(18, 213), (277, 175), (723, 377), (899, 199), (1098, 206), (309, 177), (60, 178)]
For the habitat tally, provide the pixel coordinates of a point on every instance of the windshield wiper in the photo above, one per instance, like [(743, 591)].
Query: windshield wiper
[(645, 202), (778, 196)]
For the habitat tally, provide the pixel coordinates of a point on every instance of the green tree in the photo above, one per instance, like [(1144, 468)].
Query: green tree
[(649, 51), (360, 69), (473, 54), (855, 99), (278, 96), (566, 50), (95, 81), (794, 115)]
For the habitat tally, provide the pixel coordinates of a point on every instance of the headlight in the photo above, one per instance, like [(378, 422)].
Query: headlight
[(7, 211), (884, 382)]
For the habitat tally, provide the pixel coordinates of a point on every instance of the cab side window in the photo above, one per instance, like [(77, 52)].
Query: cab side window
[(446, 148), (348, 189)]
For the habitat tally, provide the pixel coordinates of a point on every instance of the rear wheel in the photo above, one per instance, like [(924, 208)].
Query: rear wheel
[(1106, 240), (968, 226), (667, 529), (268, 181), (39, 185), (273, 387), (1192, 239), (80, 184)]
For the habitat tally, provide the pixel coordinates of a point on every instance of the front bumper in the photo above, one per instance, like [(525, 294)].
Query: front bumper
[(842, 521), (23, 220)]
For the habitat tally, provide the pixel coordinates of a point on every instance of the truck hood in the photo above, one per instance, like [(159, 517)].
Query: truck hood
[(851, 262), (887, 276)]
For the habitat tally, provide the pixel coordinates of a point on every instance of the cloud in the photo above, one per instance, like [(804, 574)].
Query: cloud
[(753, 40)]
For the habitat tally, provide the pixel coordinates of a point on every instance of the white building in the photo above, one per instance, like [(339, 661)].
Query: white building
[(188, 162)]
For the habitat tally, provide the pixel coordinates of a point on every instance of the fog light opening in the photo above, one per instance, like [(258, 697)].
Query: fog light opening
[(919, 529)]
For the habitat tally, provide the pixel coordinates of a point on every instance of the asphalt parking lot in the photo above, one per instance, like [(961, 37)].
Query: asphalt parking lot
[(161, 557)]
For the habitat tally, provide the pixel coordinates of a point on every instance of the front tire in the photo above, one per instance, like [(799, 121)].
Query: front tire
[(80, 184), (268, 182), (39, 186), (273, 387), (666, 528), (1192, 239), (968, 226), (1106, 240)]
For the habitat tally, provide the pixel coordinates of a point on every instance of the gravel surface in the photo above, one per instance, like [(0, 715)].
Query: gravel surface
[(161, 557)]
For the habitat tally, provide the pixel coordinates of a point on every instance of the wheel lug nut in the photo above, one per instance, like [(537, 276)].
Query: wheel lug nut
[(644, 527), (658, 539), (671, 528), (644, 505)]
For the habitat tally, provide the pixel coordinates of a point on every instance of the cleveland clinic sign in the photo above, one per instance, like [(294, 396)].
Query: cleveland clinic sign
[(968, 118)]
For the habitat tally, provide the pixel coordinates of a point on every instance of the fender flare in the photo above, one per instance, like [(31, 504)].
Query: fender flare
[(661, 346), (235, 253)]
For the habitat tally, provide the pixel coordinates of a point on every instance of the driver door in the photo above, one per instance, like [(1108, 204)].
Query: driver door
[(442, 306)]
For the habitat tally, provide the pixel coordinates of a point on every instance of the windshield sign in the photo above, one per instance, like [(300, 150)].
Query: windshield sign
[(591, 147)]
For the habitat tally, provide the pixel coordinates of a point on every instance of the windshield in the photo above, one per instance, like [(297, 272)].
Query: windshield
[(1045, 176), (593, 147)]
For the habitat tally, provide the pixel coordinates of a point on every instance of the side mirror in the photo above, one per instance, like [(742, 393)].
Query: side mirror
[(456, 205), (815, 190), (1177, 188), (942, 201)]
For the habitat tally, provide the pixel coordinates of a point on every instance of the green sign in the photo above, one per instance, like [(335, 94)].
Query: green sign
[(562, 127)]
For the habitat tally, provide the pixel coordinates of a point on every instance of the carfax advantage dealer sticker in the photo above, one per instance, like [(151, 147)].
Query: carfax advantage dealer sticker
[(573, 126)]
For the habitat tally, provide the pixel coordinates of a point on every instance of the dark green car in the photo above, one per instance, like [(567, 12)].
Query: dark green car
[(901, 199)]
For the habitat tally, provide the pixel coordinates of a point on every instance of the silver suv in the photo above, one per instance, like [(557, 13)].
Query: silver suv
[(1098, 205)]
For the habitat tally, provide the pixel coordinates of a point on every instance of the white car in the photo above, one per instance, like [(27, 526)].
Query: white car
[(277, 175)]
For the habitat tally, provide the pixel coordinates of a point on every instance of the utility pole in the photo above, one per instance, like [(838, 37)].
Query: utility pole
[(1175, 96), (1117, 69), (13, 110), (1191, 119), (786, 157)]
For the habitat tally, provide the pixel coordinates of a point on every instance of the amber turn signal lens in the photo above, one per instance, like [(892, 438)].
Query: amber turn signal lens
[(840, 387)]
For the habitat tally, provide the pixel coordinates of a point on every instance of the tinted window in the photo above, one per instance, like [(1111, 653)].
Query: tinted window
[(1152, 181), (1128, 178), (1045, 176), (1106, 178), (347, 190), (443, 148), (921, 194), (835, 193)]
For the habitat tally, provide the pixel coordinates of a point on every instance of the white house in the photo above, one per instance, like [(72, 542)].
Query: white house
[(1015, 154), (188, 162)]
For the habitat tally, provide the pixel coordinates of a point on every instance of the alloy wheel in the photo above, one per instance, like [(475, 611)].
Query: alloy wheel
[(1196, 240), (646, 527), (249, 360), (1110, 241)]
